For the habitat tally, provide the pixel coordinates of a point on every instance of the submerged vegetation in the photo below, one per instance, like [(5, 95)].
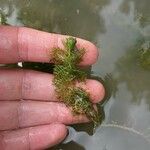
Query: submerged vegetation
[(133, 69), (144, 55), (2, 18), (67, 74)]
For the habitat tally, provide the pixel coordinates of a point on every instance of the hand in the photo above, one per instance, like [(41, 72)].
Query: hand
[(31, 116)]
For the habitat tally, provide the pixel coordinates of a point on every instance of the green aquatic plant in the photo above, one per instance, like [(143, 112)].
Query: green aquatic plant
[(2, 18), (144, 55), (67, 74)]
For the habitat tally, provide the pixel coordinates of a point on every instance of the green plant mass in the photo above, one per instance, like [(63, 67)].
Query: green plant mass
[(144, 55), (66, 74), (2, 18)]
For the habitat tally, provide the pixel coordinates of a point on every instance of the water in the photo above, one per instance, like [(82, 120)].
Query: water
[(118, 28)]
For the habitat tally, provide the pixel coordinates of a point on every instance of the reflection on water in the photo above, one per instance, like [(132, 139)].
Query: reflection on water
[(110, 137), (119, 28), (142, 10), (65, 17)]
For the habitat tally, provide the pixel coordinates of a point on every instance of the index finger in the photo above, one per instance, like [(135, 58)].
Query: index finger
[(19, 44)]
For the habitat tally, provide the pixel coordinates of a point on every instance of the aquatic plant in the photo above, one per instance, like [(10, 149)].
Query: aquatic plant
[(144, 55), (2, 18), (66, 74), (133, 70)]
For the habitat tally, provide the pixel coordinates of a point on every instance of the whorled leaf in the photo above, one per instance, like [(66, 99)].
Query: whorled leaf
[(66, 73)]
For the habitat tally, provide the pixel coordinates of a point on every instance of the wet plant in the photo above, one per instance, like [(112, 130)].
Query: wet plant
[(67, 74)]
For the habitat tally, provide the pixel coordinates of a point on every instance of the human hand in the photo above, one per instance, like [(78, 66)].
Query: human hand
[(31, 116)]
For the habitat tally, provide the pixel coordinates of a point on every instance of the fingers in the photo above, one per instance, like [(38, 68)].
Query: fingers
[(19, 114), (33, 138), (25, 44), (33, 85)]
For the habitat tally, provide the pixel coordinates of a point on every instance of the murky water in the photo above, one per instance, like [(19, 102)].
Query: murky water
[(118, 28)]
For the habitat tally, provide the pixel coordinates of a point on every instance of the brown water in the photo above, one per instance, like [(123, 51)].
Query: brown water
[(118, 28)]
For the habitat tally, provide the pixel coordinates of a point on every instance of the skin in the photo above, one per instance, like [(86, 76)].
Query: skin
[(31, 116)]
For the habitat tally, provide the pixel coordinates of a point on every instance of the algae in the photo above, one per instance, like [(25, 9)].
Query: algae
[(66, 74), (2, 18)]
